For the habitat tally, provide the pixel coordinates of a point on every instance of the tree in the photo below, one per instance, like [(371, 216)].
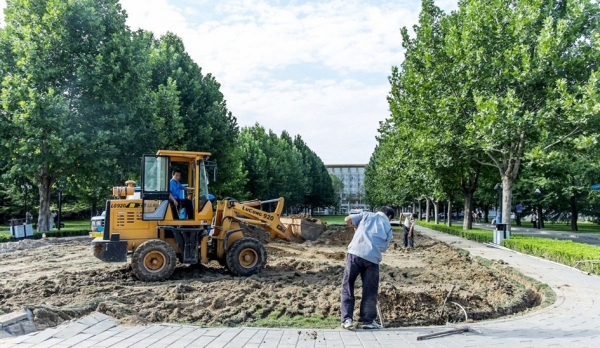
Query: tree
[(319, 191), (429, 115), (493, 84), (70, 90), (533, 65), (338, 188), (282, 167), (200, 121)]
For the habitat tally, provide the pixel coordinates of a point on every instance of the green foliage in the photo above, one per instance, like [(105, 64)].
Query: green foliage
[(332, 219), (71, 229), (478, 235), (70, 90), (338, 188), (6, 237), (583, 227), (563, 251), (282, 167), (496, 84), (320, 191), (87, 97), (191, 113)]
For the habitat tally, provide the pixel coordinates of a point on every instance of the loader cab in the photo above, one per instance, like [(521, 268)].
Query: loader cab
[(156, 174)]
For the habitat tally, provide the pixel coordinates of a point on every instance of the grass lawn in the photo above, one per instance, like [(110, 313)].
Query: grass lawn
[(584, 227), (331, 219)]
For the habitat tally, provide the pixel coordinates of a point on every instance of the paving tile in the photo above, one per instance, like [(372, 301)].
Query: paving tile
[(132, 340), (203, 341), (181, 343), (258, 337), (51, 342), (100, 327), (41, 336), (72, 341), (174, 336), (71, 330), (88, 320)]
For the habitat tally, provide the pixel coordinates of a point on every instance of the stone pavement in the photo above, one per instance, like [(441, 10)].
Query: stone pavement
[(572, 321)]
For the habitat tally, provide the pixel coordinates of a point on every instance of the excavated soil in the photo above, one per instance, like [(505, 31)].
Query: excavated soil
[(60, 281)]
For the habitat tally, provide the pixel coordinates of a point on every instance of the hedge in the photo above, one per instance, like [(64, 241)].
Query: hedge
[(563, 251), (566, 252), (5, 237), (475, 234)]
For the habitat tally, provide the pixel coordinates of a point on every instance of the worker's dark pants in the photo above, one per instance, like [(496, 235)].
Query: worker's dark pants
[(369, 274), (408, 240), (187, 204)]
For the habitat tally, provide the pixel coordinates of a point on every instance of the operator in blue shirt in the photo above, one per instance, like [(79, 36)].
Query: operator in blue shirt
[(175, 188), (372, 236)]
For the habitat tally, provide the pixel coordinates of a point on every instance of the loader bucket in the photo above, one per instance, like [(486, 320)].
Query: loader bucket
[(303, 229)]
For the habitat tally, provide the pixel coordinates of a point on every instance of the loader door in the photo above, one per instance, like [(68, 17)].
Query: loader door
[(155, 187)]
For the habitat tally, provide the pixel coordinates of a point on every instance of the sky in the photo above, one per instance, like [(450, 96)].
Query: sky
[(314, 68)]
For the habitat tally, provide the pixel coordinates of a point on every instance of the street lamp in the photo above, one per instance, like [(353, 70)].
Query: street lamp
[(498, 187), (26, 187)]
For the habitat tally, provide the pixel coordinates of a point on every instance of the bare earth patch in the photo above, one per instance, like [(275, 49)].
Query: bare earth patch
[(300, 286)]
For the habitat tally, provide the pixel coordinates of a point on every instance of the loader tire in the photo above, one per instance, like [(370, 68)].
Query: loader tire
[(246, 256), (154, 260)]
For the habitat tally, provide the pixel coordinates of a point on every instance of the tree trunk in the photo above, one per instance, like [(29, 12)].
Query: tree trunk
[(449, 213), (540, 217), (44, 211), (486, 214), (574, 214), (427, 210), (468, 220), (506, 200), (414, 207), (436, 207), (420, 211)]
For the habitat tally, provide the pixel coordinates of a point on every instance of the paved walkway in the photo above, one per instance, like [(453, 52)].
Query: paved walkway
[(573, 321)]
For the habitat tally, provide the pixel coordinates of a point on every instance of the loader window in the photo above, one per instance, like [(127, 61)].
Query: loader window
[(203, 180), (156, 174), (155, 187)]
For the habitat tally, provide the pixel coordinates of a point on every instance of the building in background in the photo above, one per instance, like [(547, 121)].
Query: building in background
[(353, 177)]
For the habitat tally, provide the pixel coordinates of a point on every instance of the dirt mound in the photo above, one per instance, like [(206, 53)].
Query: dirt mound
[(256, 232), (300, 282), (337, 235), (27, 244)]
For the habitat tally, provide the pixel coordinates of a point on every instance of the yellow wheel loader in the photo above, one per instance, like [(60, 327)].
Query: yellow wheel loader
[(147, 224)]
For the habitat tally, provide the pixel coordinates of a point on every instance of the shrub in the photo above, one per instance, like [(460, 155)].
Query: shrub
[(563, 251), (566, 252), (475, 234), (7, 237)]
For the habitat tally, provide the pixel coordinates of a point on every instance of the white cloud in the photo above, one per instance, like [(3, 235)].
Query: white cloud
[(336, 118), (247, 43)]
